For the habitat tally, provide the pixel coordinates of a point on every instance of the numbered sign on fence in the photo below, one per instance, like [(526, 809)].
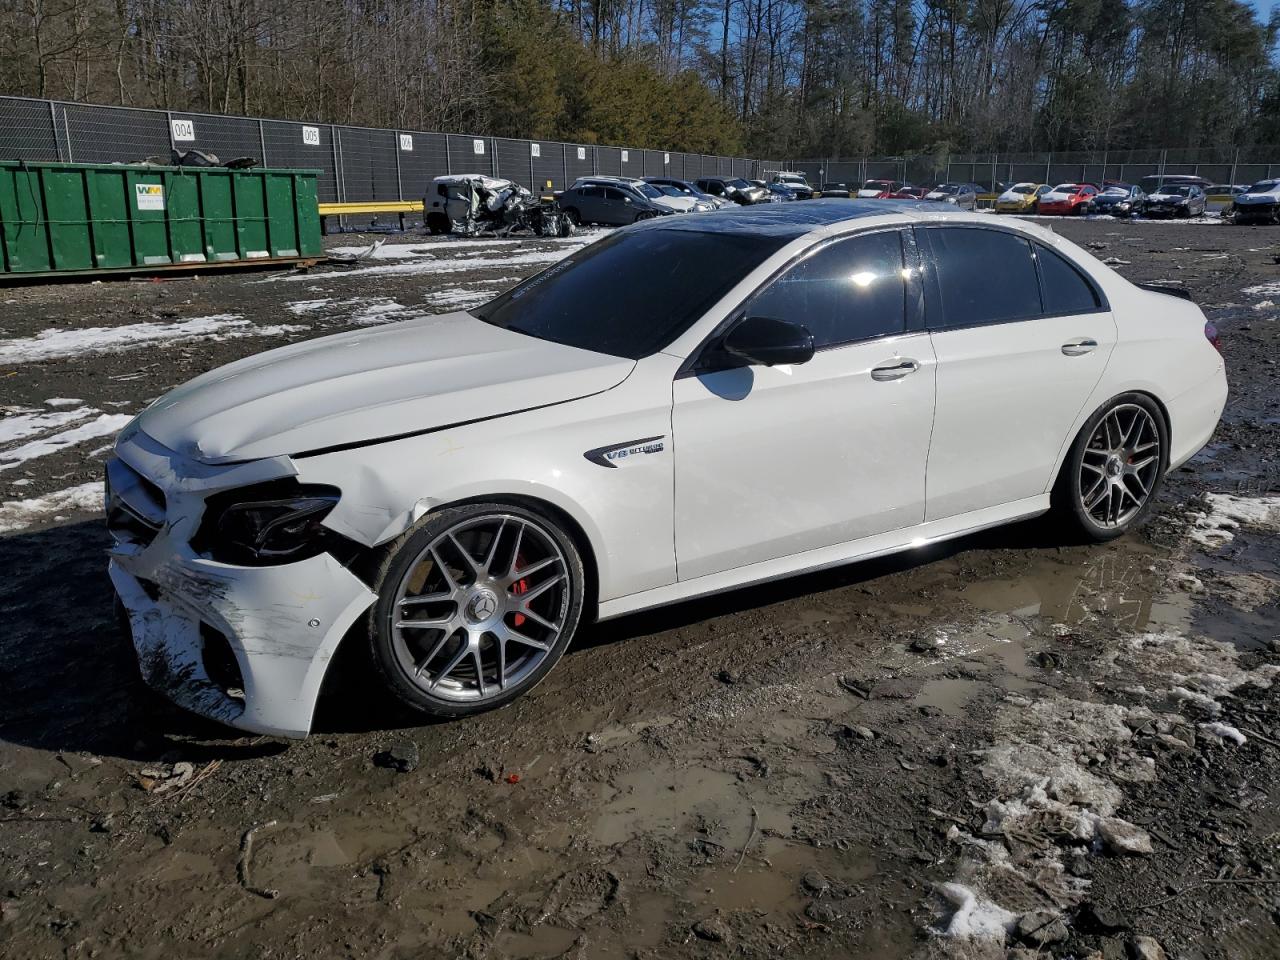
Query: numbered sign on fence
[(406, 142), (626, 155), (477, 146), (184, 131), (582, 153), (535, 149), (311, 136)]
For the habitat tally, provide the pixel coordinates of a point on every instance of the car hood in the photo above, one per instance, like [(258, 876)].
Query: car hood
[(1053, 196), (867, 193), (1012, 196), (682, 204), (1271, 196), (374, 384)]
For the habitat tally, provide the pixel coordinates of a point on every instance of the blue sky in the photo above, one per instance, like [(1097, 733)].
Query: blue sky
[(1264, 7)]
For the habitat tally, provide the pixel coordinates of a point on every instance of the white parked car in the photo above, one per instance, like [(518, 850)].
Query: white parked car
[(686, 406)]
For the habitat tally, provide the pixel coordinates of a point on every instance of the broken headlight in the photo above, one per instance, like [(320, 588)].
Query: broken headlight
[(268, 524)]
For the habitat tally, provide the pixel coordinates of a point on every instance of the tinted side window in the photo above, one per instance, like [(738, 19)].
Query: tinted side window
[(1065, 291), (592, 191), (983, 276), (613, 193), (849, 290)]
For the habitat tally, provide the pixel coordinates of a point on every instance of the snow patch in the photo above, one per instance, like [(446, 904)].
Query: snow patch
[(29, 424), (1224, 732), (1225, 513), (1269, 289), (975, 917), (58, 343), (431, 265), (300, 307), (19, 514), (104, 425)]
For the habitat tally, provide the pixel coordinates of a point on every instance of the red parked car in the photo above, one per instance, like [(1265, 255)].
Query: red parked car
[(909, 193), (1066, 199)]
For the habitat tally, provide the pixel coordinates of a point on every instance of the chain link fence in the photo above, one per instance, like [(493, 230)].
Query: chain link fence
[(1224, 165), (355, 163)]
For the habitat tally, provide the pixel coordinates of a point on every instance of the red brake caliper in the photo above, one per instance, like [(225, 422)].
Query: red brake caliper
[(519, 587)]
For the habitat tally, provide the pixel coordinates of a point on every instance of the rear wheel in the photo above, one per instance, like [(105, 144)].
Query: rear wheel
[(1114, 468), (438, 223), (474, 608), (571, 214)]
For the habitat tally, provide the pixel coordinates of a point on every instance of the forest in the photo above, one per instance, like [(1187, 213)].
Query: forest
[(769, 78)]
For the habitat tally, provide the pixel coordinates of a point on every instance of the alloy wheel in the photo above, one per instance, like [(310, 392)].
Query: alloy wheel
[(1120, 466), (480, 608)]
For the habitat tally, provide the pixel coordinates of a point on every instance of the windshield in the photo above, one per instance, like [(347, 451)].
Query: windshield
[(648, 189), (669, 190), (791, 178), (947, 188), (876, 185), (1066, 188), (1023, 188), (739, 183), (1265, 186), (835, 186), (632, 293), (1175, 190), (1116, 192)]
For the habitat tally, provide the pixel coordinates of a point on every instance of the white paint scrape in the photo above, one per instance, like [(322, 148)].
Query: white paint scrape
[(19, 514)]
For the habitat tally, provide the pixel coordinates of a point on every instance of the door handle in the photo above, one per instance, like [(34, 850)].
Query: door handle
[(894, 370), (1078, 348)]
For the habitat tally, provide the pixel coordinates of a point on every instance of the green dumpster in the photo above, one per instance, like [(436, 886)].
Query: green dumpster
[(77, 218)]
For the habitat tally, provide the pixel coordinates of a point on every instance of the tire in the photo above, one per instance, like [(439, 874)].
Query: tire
[(571, 214), (438, 223), (565, 227), (1106, 452), (449, 576), (644, 215)]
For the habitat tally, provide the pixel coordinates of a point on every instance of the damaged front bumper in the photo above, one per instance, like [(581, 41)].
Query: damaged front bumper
[(247, 646)]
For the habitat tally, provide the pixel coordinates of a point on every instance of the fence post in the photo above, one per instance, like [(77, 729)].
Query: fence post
[(66, 130), (53, 127), (1235, 162), (168, 122), (448, 163), (262, 142), (1048, 162), (395, 145), (533, 184), (564, 163), (337, 165)]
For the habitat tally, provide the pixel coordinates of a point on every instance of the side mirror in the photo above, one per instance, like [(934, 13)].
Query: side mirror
[(767, 342)]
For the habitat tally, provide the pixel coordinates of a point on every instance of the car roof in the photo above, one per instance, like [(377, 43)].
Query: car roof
[(797, 219)]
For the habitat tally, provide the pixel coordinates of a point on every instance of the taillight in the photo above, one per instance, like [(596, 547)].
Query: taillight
[(1211, 334)]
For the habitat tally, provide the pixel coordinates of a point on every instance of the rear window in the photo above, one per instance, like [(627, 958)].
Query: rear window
[(983, 276), (632, 293), (1065, 290)]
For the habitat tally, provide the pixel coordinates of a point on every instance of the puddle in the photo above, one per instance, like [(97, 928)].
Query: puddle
[(674, 803), (1120, 584)]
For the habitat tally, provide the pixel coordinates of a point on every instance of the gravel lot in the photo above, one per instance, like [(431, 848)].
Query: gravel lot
[(1000, 744)]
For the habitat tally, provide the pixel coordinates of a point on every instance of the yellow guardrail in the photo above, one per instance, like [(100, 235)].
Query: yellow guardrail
[(370, 206)]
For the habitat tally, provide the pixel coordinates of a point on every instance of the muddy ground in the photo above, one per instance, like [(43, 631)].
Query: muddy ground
[(1002, 744)]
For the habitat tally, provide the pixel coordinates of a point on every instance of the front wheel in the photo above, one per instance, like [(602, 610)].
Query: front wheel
[(475, 606), (1114, 468)]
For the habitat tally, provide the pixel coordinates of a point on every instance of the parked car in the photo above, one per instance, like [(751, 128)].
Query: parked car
[(1259, 204), (879, 189), (1120, 200), (771, 196), (963, 195), (733, 188), (910, 193), (688, 189), (837, 188), (1176, 200), (1067, 199), (611, 202), (389, 488), (1226, 189), (676, 202), (1151, 183), (781, 190), (471, 203), (798, 183), (1021, 198), (694, 205)]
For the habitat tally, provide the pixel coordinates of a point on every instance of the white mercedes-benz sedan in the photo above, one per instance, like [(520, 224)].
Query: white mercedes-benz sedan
[(686, 406)]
